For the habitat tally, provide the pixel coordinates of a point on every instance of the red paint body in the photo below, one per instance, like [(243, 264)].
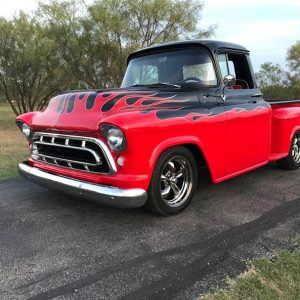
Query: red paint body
[(232, 142), (234, 136)]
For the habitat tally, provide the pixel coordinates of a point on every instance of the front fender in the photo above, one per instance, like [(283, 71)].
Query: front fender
[(173, 142), (148, 136), (27, 117)]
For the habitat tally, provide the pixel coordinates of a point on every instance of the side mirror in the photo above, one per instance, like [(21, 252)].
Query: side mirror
[(229, 80)]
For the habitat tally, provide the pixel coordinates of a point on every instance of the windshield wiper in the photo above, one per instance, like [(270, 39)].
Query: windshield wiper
[(158, 84)]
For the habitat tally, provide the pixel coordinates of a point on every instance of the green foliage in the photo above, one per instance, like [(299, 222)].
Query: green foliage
[(14, 147), (69, 45), (266, 280), (95, 40), (271, 75), (280, 93), (29, 67), (293, 58), (274, 82), (65, 23), (143, 23), (278, 84)]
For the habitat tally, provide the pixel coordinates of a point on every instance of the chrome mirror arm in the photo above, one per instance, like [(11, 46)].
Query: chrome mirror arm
[(229, 80)]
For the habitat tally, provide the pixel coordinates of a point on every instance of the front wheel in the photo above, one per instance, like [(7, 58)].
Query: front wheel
[(173, 182), (292, 161)]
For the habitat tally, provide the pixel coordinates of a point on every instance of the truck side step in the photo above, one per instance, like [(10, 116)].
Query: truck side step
[(277, 156)]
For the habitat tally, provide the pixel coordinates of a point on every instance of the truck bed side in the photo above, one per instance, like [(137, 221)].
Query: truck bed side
[(285, 122)]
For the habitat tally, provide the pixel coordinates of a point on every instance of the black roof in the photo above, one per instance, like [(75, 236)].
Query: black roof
[(210, 44)]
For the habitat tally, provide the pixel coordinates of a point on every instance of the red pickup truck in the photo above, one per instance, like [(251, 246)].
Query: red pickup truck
[(181, 106)]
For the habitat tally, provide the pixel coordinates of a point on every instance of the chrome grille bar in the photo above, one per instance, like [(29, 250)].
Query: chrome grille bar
[(55, 160), (93, 155), (96, 156)]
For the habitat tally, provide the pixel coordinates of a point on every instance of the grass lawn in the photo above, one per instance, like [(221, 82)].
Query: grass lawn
[(265, 280), (14, 147)]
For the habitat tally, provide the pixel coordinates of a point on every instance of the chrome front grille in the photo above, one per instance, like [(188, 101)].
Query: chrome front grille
[(75, 152)]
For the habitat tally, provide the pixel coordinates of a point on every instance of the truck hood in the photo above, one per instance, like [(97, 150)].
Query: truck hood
[(83, 111)]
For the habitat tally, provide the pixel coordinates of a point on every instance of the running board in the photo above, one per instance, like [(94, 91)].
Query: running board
[(277, 156)]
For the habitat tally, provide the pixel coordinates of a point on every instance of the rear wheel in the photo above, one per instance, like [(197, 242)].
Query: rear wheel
[(292, 161), (173, 181)]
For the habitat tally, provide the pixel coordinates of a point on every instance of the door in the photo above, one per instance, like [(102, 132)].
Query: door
[(248, 116)]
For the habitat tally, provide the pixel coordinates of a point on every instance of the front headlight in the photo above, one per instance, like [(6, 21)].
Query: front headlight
[(26, 130), (115, 137)]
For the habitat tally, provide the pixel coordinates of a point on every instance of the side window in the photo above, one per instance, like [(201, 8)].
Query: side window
[(226, 66), (236, 64), (231, 68), (222, 58)]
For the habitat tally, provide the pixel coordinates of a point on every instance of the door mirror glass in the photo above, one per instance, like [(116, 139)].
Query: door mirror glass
[(229, 80)]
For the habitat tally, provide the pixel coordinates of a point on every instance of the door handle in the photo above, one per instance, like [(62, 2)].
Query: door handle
[(258, 95), (252, 101)]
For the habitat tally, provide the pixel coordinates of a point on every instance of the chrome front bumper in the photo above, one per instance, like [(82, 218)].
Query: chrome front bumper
[(124, 198)]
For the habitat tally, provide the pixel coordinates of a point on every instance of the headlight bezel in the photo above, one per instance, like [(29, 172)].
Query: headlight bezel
[(25, 129), (112, 134)]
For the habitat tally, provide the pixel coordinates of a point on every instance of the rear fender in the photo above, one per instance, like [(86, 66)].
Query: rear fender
[(285, 122)]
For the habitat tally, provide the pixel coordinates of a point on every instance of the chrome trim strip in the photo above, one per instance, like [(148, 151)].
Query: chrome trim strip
[(283, 102), (106, 152), (125, 198)]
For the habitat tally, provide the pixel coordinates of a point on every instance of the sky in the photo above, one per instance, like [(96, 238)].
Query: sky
[(266, 27)]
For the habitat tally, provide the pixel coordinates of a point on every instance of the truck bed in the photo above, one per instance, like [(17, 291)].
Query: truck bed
[(285, 121)]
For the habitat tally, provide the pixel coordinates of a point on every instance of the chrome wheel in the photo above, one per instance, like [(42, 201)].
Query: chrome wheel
[(176, 181), (296, 148), (292, 161)]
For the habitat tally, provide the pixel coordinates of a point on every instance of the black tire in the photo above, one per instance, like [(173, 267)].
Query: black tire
[(173, 182), (292, 161)]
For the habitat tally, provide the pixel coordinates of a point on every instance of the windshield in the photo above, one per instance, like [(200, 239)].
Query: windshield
[(179, 67)]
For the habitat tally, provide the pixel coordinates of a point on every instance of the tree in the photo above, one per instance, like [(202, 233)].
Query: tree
[(143, 23), (293, 59), (68, 44), (29, 66), (274, 82), (271, 75), (95, 40), (67, 24)]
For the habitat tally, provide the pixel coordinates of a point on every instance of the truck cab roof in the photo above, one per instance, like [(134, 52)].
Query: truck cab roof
[(212, 45)]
